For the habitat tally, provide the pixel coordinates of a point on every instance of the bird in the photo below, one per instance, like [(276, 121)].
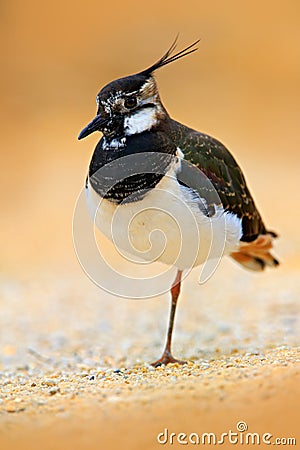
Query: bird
[(192, 172)]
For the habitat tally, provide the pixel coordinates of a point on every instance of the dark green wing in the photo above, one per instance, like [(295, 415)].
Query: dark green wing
[(219, 166)]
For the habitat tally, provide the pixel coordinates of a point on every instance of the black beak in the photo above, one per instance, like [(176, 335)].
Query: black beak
[(95, 125)]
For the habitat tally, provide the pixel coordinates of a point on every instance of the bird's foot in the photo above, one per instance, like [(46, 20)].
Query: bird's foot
[(167, 358)]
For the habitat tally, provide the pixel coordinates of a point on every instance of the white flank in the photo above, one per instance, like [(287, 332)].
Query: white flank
[(167, 225)]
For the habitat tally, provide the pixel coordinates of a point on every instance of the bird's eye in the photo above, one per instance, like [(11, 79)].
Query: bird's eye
[(130, 102)]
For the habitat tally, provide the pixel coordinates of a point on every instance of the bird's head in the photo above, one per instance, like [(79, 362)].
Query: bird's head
[(131, 105)]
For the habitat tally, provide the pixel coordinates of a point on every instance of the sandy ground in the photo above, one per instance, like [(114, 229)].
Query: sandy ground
[(75, 362), (130, 408)]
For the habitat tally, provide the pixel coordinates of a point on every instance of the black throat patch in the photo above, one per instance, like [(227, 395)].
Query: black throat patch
[(125, 170)]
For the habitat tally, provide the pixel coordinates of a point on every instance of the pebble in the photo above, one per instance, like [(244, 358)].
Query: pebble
[(50, 382), (14, 410), (41, 402), (54, 390), (205, 366)]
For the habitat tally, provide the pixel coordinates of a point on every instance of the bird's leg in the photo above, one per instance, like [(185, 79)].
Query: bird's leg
[(167, 355)]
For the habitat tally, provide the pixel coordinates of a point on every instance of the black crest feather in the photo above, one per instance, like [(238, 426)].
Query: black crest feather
[(167, 58)]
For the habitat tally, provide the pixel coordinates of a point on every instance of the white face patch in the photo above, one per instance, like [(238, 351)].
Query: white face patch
[(140, 121)]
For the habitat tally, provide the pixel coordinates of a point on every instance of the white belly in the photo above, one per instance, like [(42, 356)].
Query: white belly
[(167, 225)]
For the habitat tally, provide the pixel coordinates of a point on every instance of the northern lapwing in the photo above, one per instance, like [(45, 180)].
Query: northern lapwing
[(133, 121)]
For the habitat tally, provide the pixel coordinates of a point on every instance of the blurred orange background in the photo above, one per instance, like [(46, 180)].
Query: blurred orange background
[(242, 86)]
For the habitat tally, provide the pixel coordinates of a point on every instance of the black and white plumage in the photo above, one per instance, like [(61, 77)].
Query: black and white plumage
[(192, 170)]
